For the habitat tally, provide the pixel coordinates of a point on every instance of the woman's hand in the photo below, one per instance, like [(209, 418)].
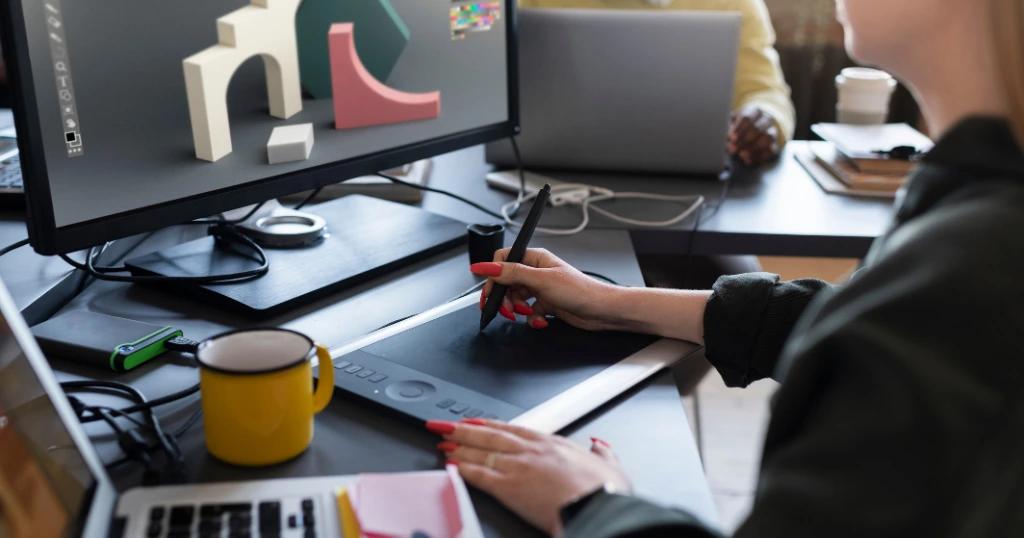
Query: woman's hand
[(533, 474), (560, 290)]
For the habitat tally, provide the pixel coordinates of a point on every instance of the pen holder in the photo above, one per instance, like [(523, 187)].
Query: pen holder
[(484, 241)]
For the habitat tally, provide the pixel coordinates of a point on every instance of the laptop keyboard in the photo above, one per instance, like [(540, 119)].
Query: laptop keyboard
[(10, 173), (276, 518)]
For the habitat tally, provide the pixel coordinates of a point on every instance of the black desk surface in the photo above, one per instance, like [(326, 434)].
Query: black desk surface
[(352, 437), (774, 210)]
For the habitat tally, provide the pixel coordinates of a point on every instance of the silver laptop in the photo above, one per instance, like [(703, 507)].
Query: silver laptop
[(53, 484), (645, 91)]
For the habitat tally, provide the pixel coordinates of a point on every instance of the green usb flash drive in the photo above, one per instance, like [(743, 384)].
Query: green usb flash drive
[(131, 354)]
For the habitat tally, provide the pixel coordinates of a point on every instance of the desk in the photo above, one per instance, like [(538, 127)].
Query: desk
[(352, 437), (773, 210)]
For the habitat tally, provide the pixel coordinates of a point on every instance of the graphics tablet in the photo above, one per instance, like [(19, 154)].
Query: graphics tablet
[(436, 365)]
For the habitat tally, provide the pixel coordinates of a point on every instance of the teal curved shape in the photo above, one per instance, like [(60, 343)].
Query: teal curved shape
[(381, 38)]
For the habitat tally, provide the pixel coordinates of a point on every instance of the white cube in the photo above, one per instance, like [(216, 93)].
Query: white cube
[(290, 143)]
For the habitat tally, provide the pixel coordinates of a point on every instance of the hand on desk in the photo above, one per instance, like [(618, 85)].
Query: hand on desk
[(534, 474), (562, 290), (753, 136)]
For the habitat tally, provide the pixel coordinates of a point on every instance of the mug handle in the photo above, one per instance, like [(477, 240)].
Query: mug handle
[(325, 388)]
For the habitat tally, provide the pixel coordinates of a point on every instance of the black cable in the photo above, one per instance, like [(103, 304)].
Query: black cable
[(222, 220), (119, 413), (522, 177), (442, 192), (225, 233), (13, 246), (129, 441), (192, 420), (123, 387), (188, 423), (700, 219), (308, 199)]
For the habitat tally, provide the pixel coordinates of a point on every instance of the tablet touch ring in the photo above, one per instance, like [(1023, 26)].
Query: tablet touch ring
[(409, 391)]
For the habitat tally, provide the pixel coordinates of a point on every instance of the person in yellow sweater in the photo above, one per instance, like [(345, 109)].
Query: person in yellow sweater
[(763, 116)]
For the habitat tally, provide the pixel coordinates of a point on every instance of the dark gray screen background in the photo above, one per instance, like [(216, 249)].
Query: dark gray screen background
[(125, 58)]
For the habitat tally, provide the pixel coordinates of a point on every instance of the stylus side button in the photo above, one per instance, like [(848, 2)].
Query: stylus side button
[(409, 390)]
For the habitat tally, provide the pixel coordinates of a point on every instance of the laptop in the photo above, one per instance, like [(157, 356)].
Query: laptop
[(53, 484), (624, 90), (12, 188)]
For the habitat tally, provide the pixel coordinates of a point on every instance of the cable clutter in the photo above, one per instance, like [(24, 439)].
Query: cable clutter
[(588, 196), (133, 440)]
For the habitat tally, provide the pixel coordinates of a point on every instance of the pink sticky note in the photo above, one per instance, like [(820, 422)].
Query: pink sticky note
[(397, 505)]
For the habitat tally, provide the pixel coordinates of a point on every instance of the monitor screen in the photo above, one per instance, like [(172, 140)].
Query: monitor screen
[(144, 111), (44, 479)]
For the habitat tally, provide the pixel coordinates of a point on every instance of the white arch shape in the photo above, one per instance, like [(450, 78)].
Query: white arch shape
[(266, 28)]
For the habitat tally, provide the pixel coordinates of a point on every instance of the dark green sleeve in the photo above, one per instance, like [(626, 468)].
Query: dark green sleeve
[(620, 516), (747, 321)]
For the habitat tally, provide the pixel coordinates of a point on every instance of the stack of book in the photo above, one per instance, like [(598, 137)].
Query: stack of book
[(863, 160)]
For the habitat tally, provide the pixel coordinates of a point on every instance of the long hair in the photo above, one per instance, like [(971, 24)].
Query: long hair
[(1009, 41)]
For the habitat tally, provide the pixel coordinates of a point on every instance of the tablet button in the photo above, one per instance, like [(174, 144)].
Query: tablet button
[(473, 413), (342, 364), (446, 403), (409, 390), (377, 378), (458, 408)]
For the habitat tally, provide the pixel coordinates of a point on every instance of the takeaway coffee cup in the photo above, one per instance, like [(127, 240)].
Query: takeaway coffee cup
[(864, 96), (257, 393)]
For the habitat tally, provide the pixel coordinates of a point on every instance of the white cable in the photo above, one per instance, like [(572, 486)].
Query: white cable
[(564, 194)]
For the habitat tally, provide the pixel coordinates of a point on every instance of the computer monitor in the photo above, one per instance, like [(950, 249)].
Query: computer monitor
[(135, 115)]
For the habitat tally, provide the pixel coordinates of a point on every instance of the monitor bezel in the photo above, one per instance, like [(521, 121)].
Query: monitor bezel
[(48, 238)]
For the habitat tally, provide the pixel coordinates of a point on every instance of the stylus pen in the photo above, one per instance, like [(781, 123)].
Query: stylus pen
[(515, 255)]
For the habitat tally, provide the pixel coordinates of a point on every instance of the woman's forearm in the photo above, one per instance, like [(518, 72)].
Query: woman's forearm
[(669, 313)]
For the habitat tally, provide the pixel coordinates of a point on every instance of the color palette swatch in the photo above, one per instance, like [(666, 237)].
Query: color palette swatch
[(473, 17)]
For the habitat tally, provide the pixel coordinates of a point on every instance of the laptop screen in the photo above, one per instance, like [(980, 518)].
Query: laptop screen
[(45, 482)]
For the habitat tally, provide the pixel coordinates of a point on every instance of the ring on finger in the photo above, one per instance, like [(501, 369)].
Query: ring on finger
[(490, 460)]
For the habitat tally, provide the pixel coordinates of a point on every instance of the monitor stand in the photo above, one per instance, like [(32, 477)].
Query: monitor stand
[(276, 226), (365, 238)]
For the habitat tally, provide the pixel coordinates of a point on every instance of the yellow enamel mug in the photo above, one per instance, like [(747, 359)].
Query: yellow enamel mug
[(257, 394)]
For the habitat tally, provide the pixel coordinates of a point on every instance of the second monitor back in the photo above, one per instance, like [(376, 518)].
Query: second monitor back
[(624, 90)]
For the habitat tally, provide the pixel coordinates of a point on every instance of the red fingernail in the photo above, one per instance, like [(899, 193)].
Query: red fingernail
[(486, 269), (483, 301), (507, 313), (523, 309), (539, 323), (440, 427), (447, 446), (452, 462), (602, 442), (475, 421)]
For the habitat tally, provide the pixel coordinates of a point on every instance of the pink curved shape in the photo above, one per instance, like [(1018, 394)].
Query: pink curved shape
[(360, 100)]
